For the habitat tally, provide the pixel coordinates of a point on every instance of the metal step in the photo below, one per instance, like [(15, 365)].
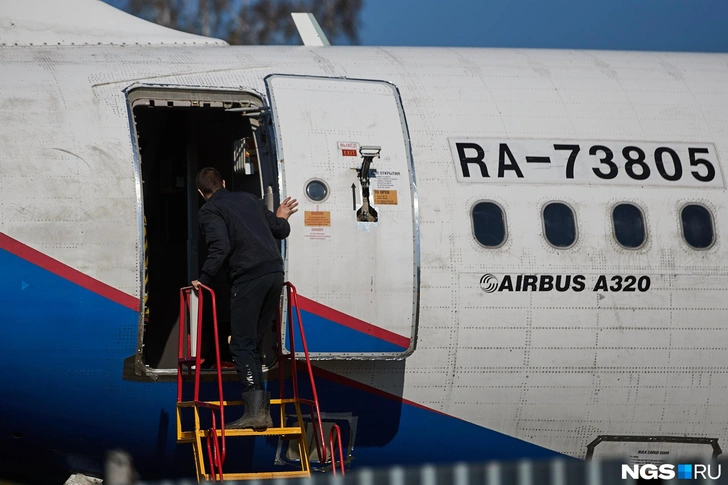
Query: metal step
[(264, 475), (216, 404), (292, 432)]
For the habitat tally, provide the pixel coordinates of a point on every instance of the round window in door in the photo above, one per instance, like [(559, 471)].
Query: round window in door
[(317, 190)]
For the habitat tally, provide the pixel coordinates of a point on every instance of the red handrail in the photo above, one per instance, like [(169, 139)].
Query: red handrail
[(183, 359), (331, 449), (318, 427), (213, 450)]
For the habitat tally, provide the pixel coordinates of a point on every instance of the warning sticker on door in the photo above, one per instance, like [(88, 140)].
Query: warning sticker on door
[(317, 218), (386, 179), (317, 233), (348, 148), (385, 197)]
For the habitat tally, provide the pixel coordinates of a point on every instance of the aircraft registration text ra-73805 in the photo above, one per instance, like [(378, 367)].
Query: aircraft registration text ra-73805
[(483, 160)]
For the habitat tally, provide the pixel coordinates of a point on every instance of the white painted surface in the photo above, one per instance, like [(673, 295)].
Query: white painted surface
[(193, 321), (366, 270)]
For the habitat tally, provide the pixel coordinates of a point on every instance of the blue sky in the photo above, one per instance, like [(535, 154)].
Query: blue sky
[(671, 25), (667, 25)]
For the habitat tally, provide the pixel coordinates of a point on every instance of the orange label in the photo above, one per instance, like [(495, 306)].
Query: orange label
[(317, 218), (385, 197)]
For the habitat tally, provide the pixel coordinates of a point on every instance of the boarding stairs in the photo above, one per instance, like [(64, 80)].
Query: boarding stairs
[(210, 456)]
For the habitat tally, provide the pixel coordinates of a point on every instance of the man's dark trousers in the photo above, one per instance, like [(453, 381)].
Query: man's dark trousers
[(253, 307)]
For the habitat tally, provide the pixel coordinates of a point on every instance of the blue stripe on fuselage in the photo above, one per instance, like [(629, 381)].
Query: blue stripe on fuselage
[(390, 431), (62, 349)]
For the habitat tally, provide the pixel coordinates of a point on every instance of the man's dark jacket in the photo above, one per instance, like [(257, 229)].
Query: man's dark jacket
[(240, 232)]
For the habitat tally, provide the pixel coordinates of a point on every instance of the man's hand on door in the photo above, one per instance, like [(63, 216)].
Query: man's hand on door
[(287, 208)]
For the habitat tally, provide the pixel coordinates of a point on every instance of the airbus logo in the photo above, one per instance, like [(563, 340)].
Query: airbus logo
[(488, 283), (491, 283)]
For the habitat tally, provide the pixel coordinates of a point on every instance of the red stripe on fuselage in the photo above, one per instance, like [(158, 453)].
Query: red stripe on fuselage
[(351, 322), (37, 258)]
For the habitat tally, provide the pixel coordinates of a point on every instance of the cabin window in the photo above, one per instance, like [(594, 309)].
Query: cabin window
[(559, 225), (317, 190), (489, 224), (629, 225), (697, 226)]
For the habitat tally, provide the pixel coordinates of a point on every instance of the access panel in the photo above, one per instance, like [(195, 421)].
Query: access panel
[(353, 252)]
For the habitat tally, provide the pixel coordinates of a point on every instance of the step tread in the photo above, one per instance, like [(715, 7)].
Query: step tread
[(188, 436), (188, 404), (293, 430), (264, 475)]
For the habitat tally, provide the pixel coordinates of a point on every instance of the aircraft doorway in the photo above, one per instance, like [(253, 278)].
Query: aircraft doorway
[(178, 132)]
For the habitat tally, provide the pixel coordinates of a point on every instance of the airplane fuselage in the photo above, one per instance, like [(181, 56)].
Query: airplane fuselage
[(527, 337)]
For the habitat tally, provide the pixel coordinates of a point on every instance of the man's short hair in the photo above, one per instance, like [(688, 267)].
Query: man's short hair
[(209, 180)]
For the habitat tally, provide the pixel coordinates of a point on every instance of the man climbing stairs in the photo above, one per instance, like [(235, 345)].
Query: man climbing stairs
[(210, 457)]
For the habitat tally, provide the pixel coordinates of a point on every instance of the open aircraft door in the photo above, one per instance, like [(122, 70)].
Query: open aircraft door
[(354, 259)]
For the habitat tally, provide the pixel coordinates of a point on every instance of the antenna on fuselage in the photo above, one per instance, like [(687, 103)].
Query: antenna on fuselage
[(309, 30)]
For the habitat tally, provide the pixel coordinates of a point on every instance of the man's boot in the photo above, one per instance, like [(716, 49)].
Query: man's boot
[(257, 411)]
